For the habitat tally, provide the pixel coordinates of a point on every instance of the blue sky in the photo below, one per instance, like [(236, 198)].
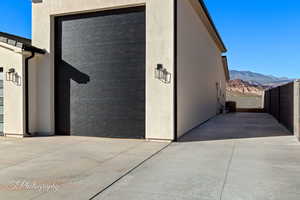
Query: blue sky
[(15, 17), (261, 35)]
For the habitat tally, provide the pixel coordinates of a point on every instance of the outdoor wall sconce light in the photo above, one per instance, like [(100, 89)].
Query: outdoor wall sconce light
[(37, 1), (13, 76), (162, 74), (10, 74)]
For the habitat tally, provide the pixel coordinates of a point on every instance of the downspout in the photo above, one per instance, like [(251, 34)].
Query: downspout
[(175, 74), (27, 92)]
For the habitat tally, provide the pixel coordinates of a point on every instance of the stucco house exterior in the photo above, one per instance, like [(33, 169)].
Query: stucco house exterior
[(15, 53), (148, 69)]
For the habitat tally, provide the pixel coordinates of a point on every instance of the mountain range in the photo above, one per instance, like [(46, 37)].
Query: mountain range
[(258, 79)]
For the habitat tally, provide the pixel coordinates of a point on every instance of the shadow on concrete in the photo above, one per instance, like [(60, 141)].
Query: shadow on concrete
[(237, 126)]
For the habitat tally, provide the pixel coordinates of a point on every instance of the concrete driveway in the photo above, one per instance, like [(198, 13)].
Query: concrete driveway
[(67, 167), (241, 156)]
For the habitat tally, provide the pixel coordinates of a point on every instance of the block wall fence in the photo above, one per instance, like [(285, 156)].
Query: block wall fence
[(283, 103)]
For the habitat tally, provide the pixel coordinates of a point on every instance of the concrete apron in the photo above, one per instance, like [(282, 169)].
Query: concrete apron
[(67, 167)]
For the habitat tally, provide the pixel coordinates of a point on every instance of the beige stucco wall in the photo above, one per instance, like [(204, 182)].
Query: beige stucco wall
[(33, 85), (200, 68), (297, 109), (159, 48), (14, 110)]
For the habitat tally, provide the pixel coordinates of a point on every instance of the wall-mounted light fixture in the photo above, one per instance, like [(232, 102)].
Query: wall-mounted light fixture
[(37, 1), (10, 74), (162, 74), (13, 76)]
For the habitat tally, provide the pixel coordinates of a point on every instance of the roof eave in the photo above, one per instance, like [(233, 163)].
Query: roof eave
[(19, 42), (33, 49), (219, 38)]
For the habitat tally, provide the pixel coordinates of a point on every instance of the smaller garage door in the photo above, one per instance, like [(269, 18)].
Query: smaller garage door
[(100, 74)]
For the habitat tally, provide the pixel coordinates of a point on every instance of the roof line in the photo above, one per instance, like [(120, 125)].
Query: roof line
[(212, 23), (15, 37), (20, 42), (33, 49)]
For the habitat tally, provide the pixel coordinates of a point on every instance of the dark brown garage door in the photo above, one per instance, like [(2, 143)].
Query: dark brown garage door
[(100, 74)]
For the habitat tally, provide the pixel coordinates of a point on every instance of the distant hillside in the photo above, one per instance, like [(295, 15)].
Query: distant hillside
[(258, 79), (246, 95), (246, 88), (240, 87)]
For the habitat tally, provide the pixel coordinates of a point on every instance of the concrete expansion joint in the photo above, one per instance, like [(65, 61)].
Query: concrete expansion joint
[(227, 170), (130, 171)]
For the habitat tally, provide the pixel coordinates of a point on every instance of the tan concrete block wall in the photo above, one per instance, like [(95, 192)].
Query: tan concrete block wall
[(283, 103), (200, 68), (159, 48)]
